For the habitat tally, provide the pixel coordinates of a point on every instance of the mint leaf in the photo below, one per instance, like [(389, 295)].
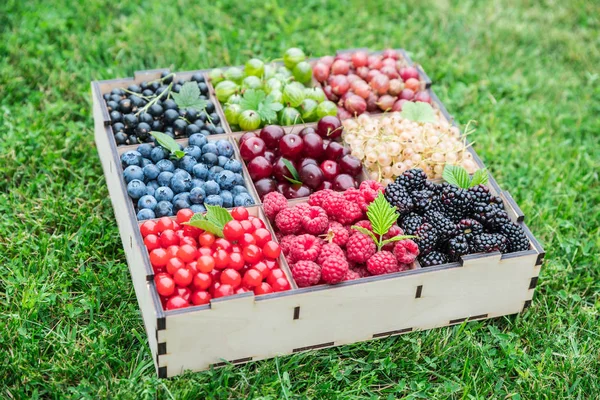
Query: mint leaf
[(189, 97), (457, 176), (418, 112), (168, 143), (365, 231), (295, 177), (382, 215), (218, 215), (480, 177), (252, 99)]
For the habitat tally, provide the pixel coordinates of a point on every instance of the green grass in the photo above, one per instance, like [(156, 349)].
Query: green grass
[(526, 71)]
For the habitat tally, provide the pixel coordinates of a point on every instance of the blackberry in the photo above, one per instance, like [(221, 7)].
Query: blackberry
[(489, 215), (397, 196), (469, 228), (433, 258), (446, 228), (410, 223), (456, 202), (425, 200), (480, 193), (428, 238), (412, 180), (517, 239), (458, 246), (488, 242)]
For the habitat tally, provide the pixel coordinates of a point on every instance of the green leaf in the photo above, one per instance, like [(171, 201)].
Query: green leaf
[(266, 113), (217, 215), (252, 99), (396, 238), (418, 112), (215, 219), (293, 171), (480, 177), (382, 215), (207, 226), (457, 176), (168, 143), (365, 231), (189, 97)]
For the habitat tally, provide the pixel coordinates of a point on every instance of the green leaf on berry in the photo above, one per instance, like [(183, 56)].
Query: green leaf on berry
[(168, 143), (189, 97), (396, 238), (295, 176), (418, 111), (382, 215), (252, 99), (218, 215), (365, 231), (265, 106), (215, 219), (457, 176), (480, 177)]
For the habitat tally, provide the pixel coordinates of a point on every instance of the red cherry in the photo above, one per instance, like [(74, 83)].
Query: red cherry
[(184, 215), (163, 224), (248, 227), (306, 131), (271, 250), (236, 261), (183, 277), (176, 302), (297, 191), (233, 230), (252, 278), (221, 244), (350, 165), (264, 186), (280, 170), (174, 264), (311, 175), (270, 156), (152, 242), (290, 146), (330, 169), (280, 285), (187, 253), (221, 259), (271, 134), (334, 151), (168, 238), (305, 161), (247, 136), (329, 127), (149, 228), (259, 168), (223, 290), (276, 273), (261, 236), (200, 297), (165, 285), (251, 148), (239, 213), (231, 277), (252, 253), (183, 292), (313, 145), (202, 280), (263, 288), (343, 182)]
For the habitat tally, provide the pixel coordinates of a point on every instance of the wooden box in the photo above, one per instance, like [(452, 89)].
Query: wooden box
[(245, 327)]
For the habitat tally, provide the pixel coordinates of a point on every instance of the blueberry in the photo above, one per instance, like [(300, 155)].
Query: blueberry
[(197, 182), (210, 148), (164, 178), (227, 198), (209, 159), (163, 209), (187, 163), (197, 139), (151, 171), (226, 179), (163, 193), (136, 189), (198, 208), (233, 166), (193, 151), (146, 161), (238, 189), (214, 200), (211, 187), (145, 213), (182, 196), (147, 201), (197, 195), (180, 205), (131, 157), (153, 184), (238, 179), (180, 184), (243, 200), (224, 148), (219, 130), (145, 149), (133, 172), (213, 172), (165, 165), (221, 161), (183, 174), (158, 153), (200, 171)]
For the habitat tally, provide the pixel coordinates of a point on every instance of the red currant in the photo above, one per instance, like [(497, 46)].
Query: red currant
[(252, 254), (163, 224), (187, 253), (202, 281), (252, 278), (206, 263), (231, 277), (247, 239), (159, 257), (205, 251), (193, 267), (168, 238), (176, 302), (172, 251), (223, 290), (280, 285), (241, 290), (221, 259), (174, 264), (222, 244), (200, 297), (184, 215), (271, 250), (236, 248), (262, 268), (165, 286), (149, 228), (189, 240), (248, 227), (272, 264), (183, 277), (236, 261), (262, 236), (233, 230), (183, 292), (263, 288), (257, 223), (191, 231), (239, 213), (276, 273), (151, 241), (206, 239)]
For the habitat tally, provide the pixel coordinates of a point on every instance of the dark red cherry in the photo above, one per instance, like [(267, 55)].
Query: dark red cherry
[(270, 156), (272, 134), (297, 191), (247, 136), (329, 127), (311, 176), (280, 170), (290, 146), (305, 161), (330, 169), (283, 187), (343, 182), (259, 168), (252, 147), (313, 145), (334, 151), (265, 186), (350, 165), (307, 130), (325, 185)]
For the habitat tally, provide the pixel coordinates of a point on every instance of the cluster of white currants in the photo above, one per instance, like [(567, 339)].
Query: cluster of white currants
[(388, 145)]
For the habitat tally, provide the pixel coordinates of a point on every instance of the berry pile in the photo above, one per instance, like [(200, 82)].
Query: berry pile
[(151, 106), (261, 94), (193, 266), (161, 184), (330, 240), (298, 164), (452, 221), (359, 82), (393, 144)]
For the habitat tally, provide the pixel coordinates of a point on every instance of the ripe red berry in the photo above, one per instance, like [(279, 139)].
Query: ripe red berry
[(263, 269), (247, 239), (176, 302), (188, 240), (174, 264), (149, 228), (223, 290), (236, 248), (280, 285), (272, 264), (222, 244), (261, 236), (165, 286), (206, 239), (184, 215), (271, 250), (239, 213), (248, 227), (183, 277), (205, 251), (183, 292), (159, 257), (257, 223), (252, 278), (231, 277), (151, 241), (252, 254), (241, 290), (202, 281), (187, 253), (172, 251), (263, 288), (168, 238), (193, 267), (233, 230), (191, 231), (200, 297), (236, 261), (221, 258), (206, 263), (276, 273), (163, 224)]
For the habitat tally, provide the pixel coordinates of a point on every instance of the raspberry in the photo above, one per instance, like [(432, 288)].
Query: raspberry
[(317, 198), (350, 212), (334, 269), (364, 224), (314, 220), (306, 273), (394, 231), (273, 203), (337, 234), (305, 247), (356, 196), (333, 204), (406, 251), (370, 190), (302, 208), (360, 247), (288, 221), (406, 267), (383, 262), (285, 243), (328, 250), (351, 275), (362, 271)]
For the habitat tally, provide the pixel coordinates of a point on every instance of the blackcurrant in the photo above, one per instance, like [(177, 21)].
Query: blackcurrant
[(170, 116), (176, 88), (203, 97), (166, 77), (133, 139), (203, 117), (169, 105), (116, 116), (191, 114), (106, 96), (142, 130), (214, 117), (157, 125), (145, 117), (198, 77), (219, 130), (137, 102), (121, 138), (210, 107), (115, 97), (130, 120), (170, 133), (118, 92), (112, 105), (118, 127), (144, 85), (161, 89), (210, 128), (148, 92), (155, 110), (203, 88), (125, 106), (154, 86), (191, 129), (204, 132), (179, 127), (134, 88)]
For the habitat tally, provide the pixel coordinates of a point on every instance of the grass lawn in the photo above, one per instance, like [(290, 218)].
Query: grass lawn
[(526, 71)]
